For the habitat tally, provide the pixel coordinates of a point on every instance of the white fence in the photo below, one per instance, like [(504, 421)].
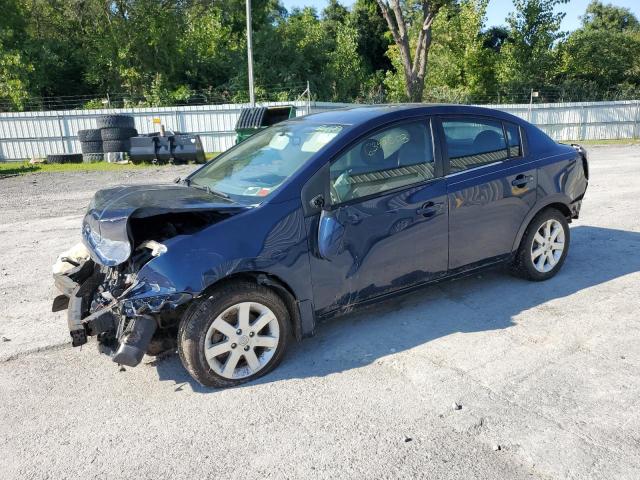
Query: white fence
[(26, 135), (35, 134), (582, 120)]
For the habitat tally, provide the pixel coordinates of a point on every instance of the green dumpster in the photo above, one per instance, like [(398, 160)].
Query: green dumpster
[(252, 120)]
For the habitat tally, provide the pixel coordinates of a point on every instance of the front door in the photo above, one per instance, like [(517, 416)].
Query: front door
[(386, 228), (491, 186)]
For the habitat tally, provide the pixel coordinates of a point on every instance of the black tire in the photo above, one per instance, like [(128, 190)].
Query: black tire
[(92, 157), (91, 147), (115, 121), (523, 265), (117, 133), (90, 135), (201, 315), (116, 146), (65, 158)]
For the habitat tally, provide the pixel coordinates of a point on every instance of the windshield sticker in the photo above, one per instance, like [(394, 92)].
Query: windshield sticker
[(279, 142), (317, 140)]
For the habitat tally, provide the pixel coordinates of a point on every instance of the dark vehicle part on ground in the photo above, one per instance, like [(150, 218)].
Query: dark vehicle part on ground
[(65, 158), (310, 219), (253, 120), (172, 148)]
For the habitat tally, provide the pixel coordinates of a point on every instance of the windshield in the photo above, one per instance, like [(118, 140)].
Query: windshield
[(255, 168)]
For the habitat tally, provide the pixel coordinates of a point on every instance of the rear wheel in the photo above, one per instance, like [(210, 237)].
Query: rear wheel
[(237, 334), (544, 246)]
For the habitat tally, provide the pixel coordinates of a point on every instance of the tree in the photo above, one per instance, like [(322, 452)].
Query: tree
[(461, 67), (602, 58), (373, 36), (608, 17), (593, 62), (495, 37), (399, 19), (15, 70), (345, 70), (527, 59)]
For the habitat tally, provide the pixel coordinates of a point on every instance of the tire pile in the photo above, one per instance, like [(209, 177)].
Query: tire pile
[(112, 135)]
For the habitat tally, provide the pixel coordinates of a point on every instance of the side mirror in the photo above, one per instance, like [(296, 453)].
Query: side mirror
[(330, 233)]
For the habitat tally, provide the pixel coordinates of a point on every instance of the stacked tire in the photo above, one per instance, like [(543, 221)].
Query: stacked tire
[(116, 132), (112, 135), (91, 145)]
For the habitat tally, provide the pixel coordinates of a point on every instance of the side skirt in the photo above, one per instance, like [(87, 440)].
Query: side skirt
[(457, 273)]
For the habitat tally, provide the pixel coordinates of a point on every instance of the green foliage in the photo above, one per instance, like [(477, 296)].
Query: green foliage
[(461, 68), (608, 18), (528, 59), (173, 52), (394, 79)]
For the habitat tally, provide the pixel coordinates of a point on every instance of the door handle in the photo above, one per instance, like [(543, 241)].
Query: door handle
[(521, 180), (429, 209)]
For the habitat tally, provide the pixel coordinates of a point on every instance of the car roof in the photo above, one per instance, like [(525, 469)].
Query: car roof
[(364, 114)]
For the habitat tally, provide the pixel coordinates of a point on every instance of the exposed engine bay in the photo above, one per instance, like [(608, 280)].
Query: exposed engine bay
[(128, 316)]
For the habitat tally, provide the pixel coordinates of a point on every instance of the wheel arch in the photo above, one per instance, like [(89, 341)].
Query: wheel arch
[(301, 312), (559, 203)]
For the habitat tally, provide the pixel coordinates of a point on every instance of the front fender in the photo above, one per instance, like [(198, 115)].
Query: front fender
[(269, 239)]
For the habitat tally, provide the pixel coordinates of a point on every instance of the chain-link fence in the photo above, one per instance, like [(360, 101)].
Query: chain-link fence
[(161, 98)]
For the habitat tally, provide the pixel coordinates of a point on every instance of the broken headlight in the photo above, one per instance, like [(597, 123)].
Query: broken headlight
[(154, 303)]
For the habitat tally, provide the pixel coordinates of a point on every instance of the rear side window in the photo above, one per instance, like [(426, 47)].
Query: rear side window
[(474, 142), (513, 139)]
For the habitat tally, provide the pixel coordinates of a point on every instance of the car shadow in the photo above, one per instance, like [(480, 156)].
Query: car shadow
[(487, 300)]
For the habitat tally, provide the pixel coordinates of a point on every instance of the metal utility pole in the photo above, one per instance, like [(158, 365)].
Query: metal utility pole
[(252, 97), (533, 94)]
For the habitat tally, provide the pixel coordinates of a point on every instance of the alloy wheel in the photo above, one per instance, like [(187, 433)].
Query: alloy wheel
[(547, 246), (241, 340)]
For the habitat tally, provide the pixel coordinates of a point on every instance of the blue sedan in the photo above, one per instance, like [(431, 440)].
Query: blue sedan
[(311, 218)]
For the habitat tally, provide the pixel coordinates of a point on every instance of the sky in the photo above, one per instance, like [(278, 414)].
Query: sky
[(498, 9)]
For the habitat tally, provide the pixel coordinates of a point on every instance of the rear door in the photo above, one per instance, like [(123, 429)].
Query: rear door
[(491, 186)]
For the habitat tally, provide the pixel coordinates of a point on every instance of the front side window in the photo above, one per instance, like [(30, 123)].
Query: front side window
[(474, 142), (394, 157), (258, 166)]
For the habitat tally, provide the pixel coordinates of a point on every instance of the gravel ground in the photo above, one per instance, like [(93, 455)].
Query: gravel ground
[(547, 374)]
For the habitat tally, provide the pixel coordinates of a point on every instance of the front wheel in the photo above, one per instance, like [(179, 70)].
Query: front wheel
[(235, 335), (544, 246)]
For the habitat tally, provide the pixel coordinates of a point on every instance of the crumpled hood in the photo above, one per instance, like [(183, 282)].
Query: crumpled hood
[(105, 226)]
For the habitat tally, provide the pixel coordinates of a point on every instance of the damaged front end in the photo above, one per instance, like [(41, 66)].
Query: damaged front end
[(99, 278), (128, 317)]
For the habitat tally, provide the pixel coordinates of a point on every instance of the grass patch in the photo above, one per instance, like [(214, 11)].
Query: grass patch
[(23, 168)]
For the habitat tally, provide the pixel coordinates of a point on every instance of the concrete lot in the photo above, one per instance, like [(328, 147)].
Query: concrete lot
[(549, 372)]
